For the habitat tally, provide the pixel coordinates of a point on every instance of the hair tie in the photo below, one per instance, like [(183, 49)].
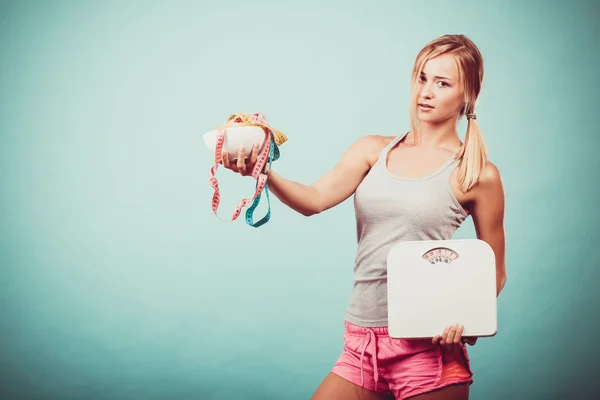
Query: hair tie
[(471, 115)]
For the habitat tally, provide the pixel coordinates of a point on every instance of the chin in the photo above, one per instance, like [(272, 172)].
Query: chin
[(426, 117), (429, 118)]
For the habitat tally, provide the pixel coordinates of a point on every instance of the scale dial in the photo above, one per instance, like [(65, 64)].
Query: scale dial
[(440, 255)]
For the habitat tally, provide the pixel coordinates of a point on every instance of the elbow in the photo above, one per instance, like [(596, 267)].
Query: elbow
[(309, 212), (501, 282), (315, 208)]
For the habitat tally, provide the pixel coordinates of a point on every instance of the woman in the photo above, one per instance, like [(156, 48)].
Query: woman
[(417, 186)]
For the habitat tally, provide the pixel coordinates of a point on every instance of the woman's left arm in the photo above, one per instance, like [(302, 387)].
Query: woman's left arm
[(487, 211)]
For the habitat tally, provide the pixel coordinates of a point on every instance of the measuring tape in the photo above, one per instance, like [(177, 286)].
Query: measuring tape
[(268, 154)]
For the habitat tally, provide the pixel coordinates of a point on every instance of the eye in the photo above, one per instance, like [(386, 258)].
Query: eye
[(443, 84), (421, 78)]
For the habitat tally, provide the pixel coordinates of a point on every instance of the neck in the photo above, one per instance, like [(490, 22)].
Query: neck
[(442, 134)]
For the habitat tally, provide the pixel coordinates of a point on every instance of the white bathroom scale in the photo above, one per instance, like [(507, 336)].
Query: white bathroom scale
[(436, 283)]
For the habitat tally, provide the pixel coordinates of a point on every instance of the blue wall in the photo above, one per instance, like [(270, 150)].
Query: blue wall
[(117, 280)]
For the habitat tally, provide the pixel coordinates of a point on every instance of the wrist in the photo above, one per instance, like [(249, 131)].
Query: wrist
[(268, 171)]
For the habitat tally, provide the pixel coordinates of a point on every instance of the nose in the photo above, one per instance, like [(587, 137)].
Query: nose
[(426, 91)]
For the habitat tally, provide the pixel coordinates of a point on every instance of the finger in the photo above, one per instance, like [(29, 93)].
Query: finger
[(227, 163), (241, 161), (253, 155), (445, 335), (450, 336), (458, 334), (457, 345), (232, 165), (436, 339), (225, 159), (470, 340)]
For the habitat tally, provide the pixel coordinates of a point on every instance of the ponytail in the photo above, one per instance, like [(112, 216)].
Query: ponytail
[(473, 153), (473, 156)]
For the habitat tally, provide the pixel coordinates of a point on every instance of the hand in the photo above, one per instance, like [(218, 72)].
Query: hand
[(243, 166), (452, 338)]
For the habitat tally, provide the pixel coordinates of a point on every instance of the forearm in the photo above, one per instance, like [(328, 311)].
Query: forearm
[(299, 197)]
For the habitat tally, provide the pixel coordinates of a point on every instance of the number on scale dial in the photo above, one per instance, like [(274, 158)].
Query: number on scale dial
[(440, 255)]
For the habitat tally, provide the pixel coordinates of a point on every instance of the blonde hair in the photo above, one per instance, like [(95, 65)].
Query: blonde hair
[(473, 153)]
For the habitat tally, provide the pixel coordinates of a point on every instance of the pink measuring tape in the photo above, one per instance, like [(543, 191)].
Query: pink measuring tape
[(269, 153)]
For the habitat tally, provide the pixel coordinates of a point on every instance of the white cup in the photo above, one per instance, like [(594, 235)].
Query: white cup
[(235, 137)]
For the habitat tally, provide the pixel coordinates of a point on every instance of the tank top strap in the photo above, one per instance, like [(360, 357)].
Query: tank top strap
[(384, 152), (446, 169)]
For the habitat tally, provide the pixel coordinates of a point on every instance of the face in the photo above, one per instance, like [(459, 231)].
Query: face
[(440, 94)]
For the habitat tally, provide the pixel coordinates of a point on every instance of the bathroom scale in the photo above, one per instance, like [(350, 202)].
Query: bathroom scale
[(436, 283)]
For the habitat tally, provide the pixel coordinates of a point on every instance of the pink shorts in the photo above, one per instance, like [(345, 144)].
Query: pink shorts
[(403, 368)]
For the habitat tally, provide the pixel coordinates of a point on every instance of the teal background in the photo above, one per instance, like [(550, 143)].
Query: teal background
[(118, 282)]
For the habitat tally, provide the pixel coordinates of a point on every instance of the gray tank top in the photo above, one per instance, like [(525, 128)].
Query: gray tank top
[(391, 209)]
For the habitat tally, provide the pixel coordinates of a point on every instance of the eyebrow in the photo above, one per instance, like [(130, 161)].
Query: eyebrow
[(438, 77)]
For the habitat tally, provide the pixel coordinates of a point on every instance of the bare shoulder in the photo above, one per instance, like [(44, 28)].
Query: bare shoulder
[(490, 177), (489, 185), (370, 146)]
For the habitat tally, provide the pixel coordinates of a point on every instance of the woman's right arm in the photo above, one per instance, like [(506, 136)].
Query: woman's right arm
[(335, 186)]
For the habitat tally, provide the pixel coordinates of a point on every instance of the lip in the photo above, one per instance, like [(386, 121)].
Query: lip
[(425, 106)]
